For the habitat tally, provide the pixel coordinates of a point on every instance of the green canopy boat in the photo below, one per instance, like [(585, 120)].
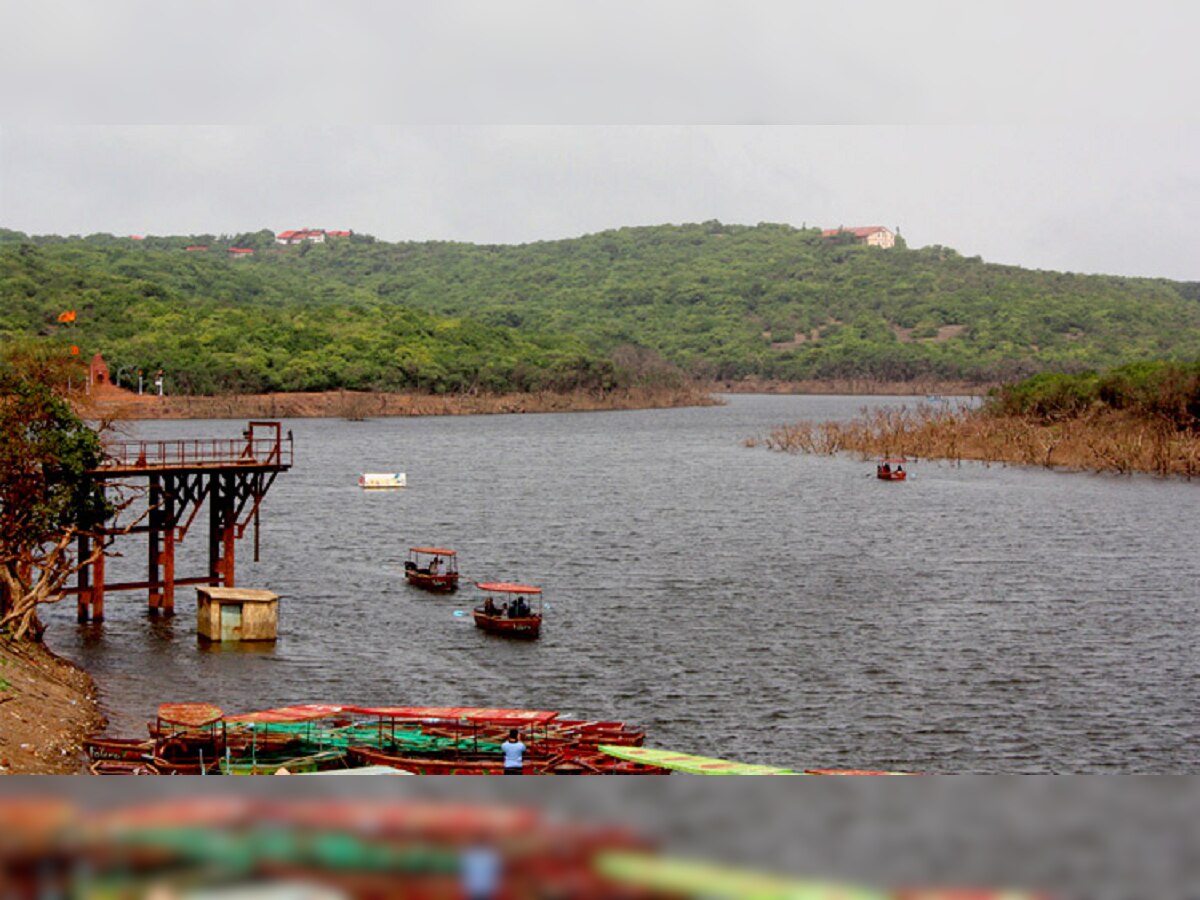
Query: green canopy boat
[(692, 879), (695, 765)]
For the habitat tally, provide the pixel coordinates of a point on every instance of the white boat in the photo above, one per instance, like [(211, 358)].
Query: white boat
[(382, 481)]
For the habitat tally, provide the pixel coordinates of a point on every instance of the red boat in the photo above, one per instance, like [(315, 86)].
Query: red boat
[(891, 470), (191, 738), (593, 763), (548, 751), (515, 617), (432, 568)]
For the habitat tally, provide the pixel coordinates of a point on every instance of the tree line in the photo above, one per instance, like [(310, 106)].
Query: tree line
[(716, 301)]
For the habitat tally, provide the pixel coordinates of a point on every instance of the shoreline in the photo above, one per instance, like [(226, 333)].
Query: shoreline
[(48, 706), (115, 403)]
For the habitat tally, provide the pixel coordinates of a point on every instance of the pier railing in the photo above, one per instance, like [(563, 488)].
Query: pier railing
[(254, 449)]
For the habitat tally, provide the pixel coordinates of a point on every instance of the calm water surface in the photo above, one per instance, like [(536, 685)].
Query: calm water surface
[(736, 602)]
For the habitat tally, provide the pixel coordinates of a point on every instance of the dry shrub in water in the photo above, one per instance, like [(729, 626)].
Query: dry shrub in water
[(1099, 440)]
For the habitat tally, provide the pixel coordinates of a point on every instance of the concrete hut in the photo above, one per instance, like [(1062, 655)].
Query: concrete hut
[(237, 614)]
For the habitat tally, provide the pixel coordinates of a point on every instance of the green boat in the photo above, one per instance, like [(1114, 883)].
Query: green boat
[(686, 762), (324, 761)]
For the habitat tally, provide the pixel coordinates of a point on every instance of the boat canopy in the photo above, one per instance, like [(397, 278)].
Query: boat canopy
[(893, 460), (473, 715), (699, 879), (436, 551), (190, 715), (685, 762), (306, 712), (503, 587)]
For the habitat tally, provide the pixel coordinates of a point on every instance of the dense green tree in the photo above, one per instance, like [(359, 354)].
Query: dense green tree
[(48, 496)]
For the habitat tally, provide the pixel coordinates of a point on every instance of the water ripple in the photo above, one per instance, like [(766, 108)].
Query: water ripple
[(771, 608)]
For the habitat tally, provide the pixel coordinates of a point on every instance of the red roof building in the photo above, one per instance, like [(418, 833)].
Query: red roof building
[(240, 251), (872, 235), (298, 235), (196, 247)]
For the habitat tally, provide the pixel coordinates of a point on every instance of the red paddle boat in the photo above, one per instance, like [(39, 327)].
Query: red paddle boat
[(512, 610), (432, 568)]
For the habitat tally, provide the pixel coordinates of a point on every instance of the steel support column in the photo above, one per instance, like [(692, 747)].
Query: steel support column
[(154, 541), (83, 582), (167, 558)]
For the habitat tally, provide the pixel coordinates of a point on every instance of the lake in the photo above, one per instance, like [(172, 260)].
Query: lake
[(736, 602)]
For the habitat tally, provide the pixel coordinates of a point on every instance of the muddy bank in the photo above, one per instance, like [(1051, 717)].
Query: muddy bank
[(854, 386), (47, 708), (115, 403)]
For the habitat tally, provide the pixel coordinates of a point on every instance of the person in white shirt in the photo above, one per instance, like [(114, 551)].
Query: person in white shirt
[(514, 754)]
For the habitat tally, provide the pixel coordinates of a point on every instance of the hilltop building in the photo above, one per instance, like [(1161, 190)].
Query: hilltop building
[(300, 235), (871, 235)]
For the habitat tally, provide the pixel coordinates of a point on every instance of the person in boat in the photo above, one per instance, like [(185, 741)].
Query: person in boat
[(435, 566), (514, 754), (489, 606), (520, 610), (899, 469), (885, 468)]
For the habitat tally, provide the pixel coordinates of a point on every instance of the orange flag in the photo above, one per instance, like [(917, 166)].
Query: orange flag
[(68, 316), (74, 350)]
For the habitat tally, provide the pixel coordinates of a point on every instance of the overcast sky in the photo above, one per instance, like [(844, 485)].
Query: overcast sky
[(1052, 135)]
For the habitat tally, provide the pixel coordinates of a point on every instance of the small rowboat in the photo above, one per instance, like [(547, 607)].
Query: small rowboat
[(432, 568), (510, 618), (891, 470), (122, 767), (382, 481), (127, 749)]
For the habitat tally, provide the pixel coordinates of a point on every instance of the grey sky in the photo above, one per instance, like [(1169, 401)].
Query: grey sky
[(1056, 136)]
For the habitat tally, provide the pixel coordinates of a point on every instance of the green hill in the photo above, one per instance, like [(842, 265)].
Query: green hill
[(722, 301), (217, 325)]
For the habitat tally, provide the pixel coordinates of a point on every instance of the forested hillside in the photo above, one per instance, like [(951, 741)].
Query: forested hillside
[(721, 301), (216, 326)]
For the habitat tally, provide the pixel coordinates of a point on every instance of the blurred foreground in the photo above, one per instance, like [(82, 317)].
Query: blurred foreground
[(344, 837)]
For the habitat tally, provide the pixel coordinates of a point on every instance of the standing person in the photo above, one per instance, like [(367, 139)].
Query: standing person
[(480, 869), (514, 754)]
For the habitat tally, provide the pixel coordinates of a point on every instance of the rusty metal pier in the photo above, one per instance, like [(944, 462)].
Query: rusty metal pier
[(232, 475)]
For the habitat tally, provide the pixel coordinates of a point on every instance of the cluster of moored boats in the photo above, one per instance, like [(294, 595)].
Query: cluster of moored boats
[(199, 738), (507, 608)]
